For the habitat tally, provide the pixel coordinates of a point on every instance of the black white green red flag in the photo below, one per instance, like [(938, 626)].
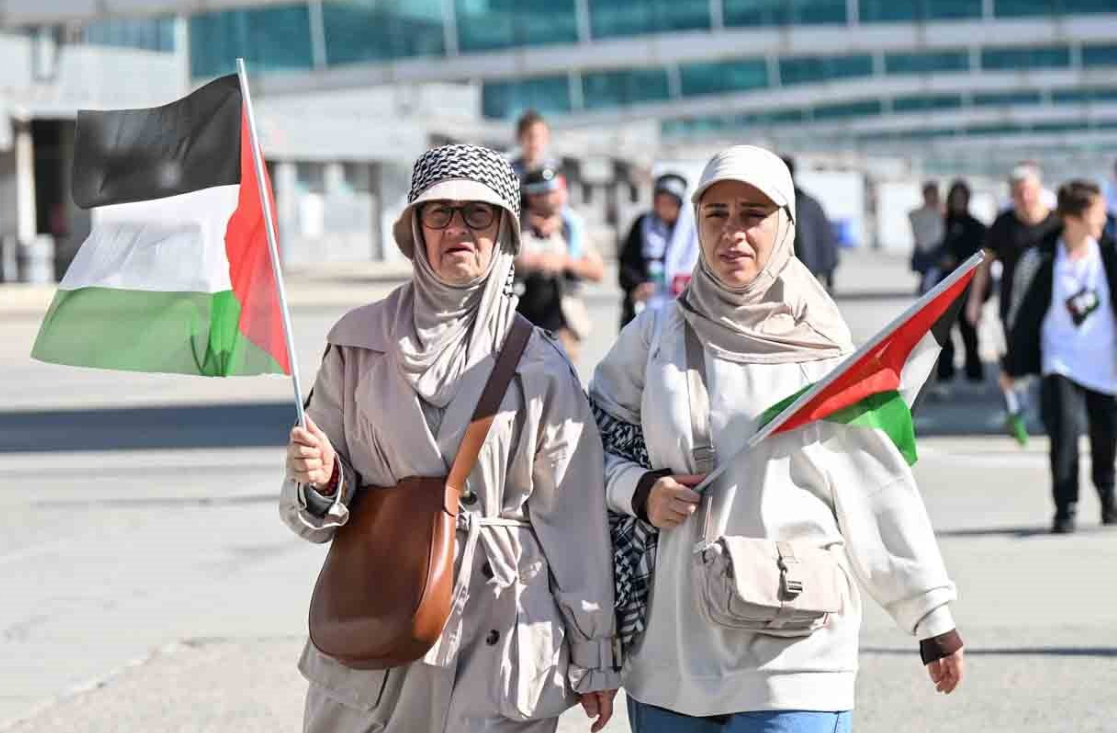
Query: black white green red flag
[(176, 275), (877, 386)]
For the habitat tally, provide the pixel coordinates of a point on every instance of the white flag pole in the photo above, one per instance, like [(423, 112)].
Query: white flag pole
[(265, 204)]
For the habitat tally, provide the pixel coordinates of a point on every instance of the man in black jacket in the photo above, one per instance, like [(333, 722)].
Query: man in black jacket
[(1062, 324)]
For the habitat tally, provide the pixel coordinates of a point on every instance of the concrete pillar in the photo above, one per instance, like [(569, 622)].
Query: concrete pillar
[(286, 204), (182, 51), (333, 178), (26, 215)]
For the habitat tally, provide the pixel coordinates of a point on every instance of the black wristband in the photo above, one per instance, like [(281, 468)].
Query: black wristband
[(643, 489), (939, 647)]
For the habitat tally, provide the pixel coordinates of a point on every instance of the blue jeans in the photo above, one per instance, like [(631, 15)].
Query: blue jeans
[(651, 719)]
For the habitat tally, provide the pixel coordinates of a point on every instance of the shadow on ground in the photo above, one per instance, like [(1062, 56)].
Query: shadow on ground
[(1049, 651), (139, 428)]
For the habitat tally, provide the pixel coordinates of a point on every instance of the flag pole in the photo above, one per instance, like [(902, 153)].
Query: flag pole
[(265, 204)]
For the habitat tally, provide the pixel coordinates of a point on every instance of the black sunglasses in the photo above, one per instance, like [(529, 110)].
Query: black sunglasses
[(439, 214)]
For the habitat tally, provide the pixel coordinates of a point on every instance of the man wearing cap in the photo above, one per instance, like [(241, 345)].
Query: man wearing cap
[(659, 253), (551, 266)]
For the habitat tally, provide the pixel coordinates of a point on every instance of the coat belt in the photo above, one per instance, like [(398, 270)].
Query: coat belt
[(505, 574)]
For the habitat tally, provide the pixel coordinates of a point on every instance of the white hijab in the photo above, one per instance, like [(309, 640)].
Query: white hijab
[(444, 330)]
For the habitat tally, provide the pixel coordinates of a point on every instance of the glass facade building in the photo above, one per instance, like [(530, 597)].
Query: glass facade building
[(382, 30), (596, 36), (270, 39), (613, 18), (148, 34), (492, 25)]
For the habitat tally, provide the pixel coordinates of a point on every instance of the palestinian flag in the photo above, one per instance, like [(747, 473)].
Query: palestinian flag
[(878, 385), (176, 275)]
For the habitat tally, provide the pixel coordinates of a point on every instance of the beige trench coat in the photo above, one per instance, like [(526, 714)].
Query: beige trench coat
[(538, 625)]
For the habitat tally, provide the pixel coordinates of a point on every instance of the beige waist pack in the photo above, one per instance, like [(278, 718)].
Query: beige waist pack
[(759, 585)]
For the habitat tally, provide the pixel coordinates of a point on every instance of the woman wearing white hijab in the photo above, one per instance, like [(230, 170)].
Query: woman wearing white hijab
[(393, 397), (765, 329)]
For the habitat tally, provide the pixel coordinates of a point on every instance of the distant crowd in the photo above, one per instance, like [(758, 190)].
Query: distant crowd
[(1057, 297)]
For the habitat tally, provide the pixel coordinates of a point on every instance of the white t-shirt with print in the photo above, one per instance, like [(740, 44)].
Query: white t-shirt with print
[(1079, 335)]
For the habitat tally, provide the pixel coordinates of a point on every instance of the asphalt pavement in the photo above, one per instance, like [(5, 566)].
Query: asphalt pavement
[(150, 586)]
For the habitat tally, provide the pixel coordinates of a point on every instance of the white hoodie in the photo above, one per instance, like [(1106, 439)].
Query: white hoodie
[(827, 483)]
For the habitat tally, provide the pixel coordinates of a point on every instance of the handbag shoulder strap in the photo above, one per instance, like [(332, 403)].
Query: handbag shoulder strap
[(703, 452), (487, 406)]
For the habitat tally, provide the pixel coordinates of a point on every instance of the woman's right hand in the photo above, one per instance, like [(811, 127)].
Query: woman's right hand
[(672, 500), (310, 457)]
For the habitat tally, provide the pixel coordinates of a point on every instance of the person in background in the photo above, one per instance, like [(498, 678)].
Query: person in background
[(927, 230), (1013, 233), (815, 243), (1062, 324), (963, 238), (550, 267), (534, 137), (660, 251)]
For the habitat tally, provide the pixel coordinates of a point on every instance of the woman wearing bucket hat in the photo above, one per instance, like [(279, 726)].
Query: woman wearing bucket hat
[(681, 391), (393, 397)]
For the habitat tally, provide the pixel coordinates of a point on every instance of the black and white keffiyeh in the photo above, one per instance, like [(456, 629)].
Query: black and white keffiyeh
[(634, 540), (467, 163)]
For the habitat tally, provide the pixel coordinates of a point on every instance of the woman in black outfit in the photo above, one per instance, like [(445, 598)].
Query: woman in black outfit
[(964, 236)]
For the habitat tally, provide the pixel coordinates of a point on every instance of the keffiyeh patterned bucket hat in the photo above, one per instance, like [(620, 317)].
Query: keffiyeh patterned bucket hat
[(460, 173)]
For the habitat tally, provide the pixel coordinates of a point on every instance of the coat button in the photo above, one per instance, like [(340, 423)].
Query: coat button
[(469, 498), (487, 571), (492, 638)]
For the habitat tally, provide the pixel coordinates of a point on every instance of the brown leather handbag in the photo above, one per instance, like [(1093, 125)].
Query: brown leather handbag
[(383, 594)]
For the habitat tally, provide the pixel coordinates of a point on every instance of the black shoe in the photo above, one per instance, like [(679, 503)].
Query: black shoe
[(1109, 515), (1062, 525)]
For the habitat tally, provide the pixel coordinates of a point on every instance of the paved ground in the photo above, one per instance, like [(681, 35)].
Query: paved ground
[(149, 585)]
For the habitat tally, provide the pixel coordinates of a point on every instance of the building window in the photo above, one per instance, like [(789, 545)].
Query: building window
[(149, 34), (1012, 59), (357, 177), (926, 63), (845, 110), (612, 18), (1099, 55), (508, 99), (922, 102), (1079, 96), (310, 177), (622, 88), (1009, 8), (1003, 99), (888, 11), (382, 30), (723, 76), (270, 39), (783, 12), (804, 70), (486, 25)]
